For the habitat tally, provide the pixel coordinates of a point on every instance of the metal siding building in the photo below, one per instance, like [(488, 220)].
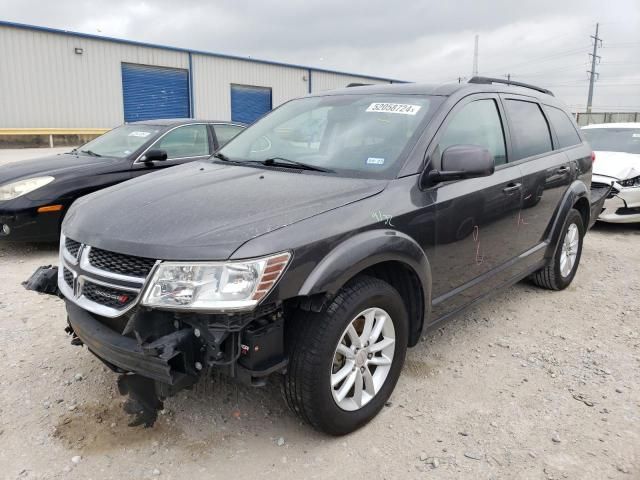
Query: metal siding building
[(47, 82)]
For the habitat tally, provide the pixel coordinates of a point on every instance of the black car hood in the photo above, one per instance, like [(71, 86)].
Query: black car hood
[(204, 210), (54, 165)]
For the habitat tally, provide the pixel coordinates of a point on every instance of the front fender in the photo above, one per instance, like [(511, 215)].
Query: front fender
[(576, 191), (363, 251)]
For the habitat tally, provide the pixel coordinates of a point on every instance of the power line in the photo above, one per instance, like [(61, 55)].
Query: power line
[(592, 73), (550, 72), (544, 59)]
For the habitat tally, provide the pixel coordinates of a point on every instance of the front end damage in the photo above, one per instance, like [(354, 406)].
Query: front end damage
[(158, 353)]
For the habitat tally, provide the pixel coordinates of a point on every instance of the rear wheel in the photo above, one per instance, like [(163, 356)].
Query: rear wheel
[(559, 273), (345, 361)]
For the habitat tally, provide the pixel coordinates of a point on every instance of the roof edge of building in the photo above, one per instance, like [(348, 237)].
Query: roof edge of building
[(24, 26)]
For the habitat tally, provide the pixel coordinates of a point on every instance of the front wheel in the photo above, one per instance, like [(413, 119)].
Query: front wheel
[(560, 271), (344, 362)]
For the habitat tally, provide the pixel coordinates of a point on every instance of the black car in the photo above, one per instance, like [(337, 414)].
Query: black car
[(324, 240), (36, 194)]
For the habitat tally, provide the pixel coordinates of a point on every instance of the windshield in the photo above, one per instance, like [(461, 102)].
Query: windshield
[(614, 139), (121, 141), (348, 135)]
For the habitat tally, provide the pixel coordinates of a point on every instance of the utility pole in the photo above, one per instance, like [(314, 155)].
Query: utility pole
[(595, 58), (475, 59), (508, 75)]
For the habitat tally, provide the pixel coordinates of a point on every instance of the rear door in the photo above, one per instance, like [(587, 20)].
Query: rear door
[(546, 172), (476, 219)]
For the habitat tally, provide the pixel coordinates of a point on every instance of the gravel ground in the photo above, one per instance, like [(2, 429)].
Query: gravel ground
[(529, 384)]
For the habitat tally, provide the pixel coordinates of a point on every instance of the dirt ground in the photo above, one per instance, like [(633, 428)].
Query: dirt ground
[(529, 384)]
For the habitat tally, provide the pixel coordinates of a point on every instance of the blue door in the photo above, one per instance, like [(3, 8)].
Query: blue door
[(154, 92), (249, 103)]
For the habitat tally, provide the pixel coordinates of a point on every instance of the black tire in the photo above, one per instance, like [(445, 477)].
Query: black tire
[(311, 342), (550, 277)]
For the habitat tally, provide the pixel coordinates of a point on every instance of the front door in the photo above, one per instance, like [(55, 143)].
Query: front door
[(476, 219), (186, 143)]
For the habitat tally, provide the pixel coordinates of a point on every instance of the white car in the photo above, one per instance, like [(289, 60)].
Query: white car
[(617, 148)]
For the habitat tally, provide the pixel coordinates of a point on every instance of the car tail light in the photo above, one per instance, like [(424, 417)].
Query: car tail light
[(593, 157)]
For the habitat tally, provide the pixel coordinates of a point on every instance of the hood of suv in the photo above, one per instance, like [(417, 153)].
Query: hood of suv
[(205, 211)]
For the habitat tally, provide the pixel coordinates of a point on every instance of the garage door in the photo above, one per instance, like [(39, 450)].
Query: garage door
[(249, 103), (154, 92)]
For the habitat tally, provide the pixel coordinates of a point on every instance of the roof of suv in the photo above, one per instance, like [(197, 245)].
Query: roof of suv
[(447, 89)]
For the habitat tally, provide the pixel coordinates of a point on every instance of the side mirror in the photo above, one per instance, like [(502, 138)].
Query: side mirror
[(463, 161), (154, 156)]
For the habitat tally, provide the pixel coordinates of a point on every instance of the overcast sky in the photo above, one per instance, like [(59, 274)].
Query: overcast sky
[(544, 42)]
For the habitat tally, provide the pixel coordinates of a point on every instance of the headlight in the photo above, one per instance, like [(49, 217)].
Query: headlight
[(22, 187), (210, 286), (631, 182)]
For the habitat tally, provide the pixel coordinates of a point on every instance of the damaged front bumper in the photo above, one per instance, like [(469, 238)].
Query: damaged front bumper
[(175, 349), (621, 205), (159, 352), (170, 359)]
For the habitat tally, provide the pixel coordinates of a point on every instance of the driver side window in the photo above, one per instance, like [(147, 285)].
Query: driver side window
[(477, 123), (184, 142)]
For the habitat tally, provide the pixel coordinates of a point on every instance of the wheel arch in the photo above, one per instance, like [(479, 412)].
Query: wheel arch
[(576, 197), (389, 255)]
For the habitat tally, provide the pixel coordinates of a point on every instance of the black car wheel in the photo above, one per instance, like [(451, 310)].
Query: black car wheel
[(344, 362), (560, 271)]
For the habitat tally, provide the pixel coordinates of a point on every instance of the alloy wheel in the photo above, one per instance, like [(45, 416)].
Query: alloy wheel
[(362, 359), (569, 251)]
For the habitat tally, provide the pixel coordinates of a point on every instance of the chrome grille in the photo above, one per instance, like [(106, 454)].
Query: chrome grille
[(72, 247), (68, 277), (107, 296), (120, 264), (105, 283)]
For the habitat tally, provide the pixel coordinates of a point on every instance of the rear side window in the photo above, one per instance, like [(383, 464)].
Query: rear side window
[(477, 123), (529, 130), (565, 131)]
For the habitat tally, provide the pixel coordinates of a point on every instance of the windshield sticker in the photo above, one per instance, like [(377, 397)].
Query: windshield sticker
[(402, 108), (139, 134), (636, 135), (375, 161)]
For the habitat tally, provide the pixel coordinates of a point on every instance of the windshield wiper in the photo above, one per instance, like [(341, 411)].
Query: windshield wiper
[(276, 162), (288, 163), (222, 157), (91, 152)]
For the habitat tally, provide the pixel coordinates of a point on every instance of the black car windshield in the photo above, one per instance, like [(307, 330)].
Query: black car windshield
[(363, 136), (121, 141), (614, 139)]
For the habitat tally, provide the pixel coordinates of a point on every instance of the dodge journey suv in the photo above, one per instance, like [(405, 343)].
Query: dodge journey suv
[(320, 243)]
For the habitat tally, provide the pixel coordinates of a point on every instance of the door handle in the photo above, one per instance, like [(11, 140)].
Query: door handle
[(511, 188), (563, 170)]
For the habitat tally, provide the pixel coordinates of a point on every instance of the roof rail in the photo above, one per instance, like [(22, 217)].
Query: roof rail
[(489, 81)]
